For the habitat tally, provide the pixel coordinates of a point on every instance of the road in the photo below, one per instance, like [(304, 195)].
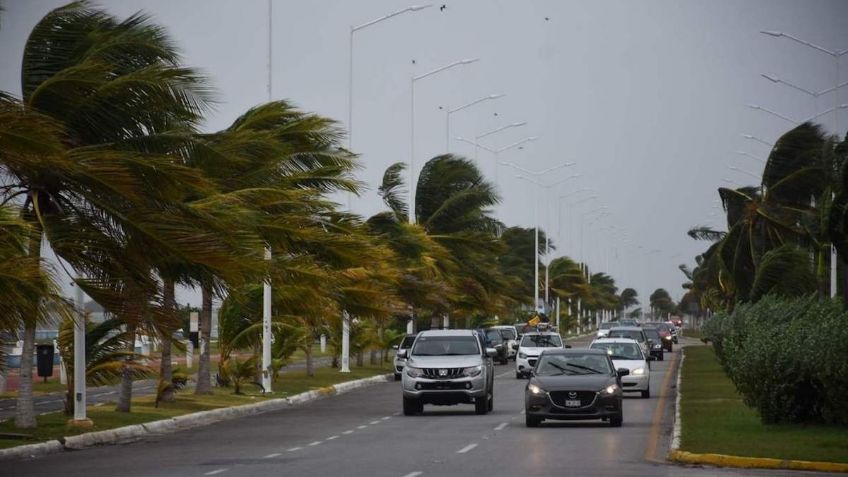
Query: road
[(362, 433)]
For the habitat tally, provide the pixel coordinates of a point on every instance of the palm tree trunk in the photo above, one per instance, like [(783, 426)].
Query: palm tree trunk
[(204, 381), (125, 390), (310, 366), (25, 407), (166, 372)]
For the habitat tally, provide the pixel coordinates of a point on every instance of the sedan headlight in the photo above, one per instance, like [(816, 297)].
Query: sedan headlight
[(657, 346), (535, 389), (638, 372), (472, 371), (611, 389), (522, 355), (667, 337), (413, 372)]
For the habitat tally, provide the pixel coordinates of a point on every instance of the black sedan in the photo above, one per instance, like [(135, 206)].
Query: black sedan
[(655, 344), (574, 384)]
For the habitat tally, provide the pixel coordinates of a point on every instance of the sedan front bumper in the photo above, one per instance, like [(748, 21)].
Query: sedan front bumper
[(544, 406)]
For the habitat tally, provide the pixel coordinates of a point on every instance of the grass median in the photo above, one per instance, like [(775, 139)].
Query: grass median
[(715, 420), (54, 425)]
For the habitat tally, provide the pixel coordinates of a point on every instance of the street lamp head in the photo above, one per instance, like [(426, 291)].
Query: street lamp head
[(754, 106), (416, 8), (468, 61), (773, 79), (771, 33), (515, 125), (496, 96)]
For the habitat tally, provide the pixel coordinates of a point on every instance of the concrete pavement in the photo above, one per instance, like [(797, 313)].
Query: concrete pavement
[(363, 433)]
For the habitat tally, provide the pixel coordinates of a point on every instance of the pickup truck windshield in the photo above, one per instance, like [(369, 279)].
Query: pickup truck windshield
[(445, 346), (541, 341)]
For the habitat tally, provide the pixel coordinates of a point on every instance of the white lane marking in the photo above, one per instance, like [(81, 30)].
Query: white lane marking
[(294, 449), (374, 422), (361, 427), (313, 444), (504, 374), (271, 456), (348, 432), (466, 448), (396, 414), (501, 426), (413, 474), (386, 418), (216, 471), (332, 438)]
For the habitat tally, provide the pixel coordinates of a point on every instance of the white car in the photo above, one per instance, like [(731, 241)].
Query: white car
[(529, 349), (603, 331), (400, 362), (513, 340), (627, 353), (634, 333)]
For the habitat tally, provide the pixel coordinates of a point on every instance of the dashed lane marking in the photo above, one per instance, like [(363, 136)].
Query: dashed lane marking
[(348, 432), (216, 471), (466, 448), (294, 449), (501, 426), (413, 474), (313, 444), (374, 422), (332, 438), (271, 456), (361, 427), (386, 418)]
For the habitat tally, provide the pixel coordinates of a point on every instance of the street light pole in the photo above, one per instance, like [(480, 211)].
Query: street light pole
[(80, 394), (494, 131), (412, 127), (266, 285), (460, 108), (496, 152)]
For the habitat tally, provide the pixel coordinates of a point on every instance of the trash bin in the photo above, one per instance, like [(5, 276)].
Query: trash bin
[(44, 353)]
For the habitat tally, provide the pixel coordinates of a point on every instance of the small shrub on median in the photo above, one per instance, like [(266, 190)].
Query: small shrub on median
[(788, 358)]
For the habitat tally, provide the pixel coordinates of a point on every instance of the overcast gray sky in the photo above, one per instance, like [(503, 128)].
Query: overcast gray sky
[(648, 98)]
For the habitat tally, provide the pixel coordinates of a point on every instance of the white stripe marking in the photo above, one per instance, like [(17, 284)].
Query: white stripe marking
[(216, 471), (313, 444), (271, 456), (374, 422), (347, 432), (386, 418), (332, 437), (293, 449), (361, 427), (413, 474), (466, 448), (501, 426)]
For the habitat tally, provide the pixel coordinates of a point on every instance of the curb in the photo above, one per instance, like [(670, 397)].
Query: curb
[(135, 432), (721, 460)]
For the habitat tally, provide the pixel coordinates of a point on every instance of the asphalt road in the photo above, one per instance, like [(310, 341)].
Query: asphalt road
[(362, 433)]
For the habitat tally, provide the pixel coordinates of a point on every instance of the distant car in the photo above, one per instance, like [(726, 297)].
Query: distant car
[(399, 362), (511, 334), (531, 346), (631, 332), (675, 331), (666, 334), (627, 322), (448, 367), (626, 353), (605, 327), (498, 339), (655, 344), (574, 384)]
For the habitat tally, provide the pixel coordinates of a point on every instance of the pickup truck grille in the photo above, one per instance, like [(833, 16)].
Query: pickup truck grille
[(442, 373)]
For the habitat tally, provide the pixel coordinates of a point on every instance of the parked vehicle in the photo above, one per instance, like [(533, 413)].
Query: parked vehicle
[(655, 344), (572, 384), (510, 332), (531, 346), (631, 332), (497, 338), (399, 362), (448, 367), (626, 353)]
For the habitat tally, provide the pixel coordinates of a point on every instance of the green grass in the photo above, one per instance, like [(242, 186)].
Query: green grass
[(690, 333), (715, 420), (54, 425), (39, 388)]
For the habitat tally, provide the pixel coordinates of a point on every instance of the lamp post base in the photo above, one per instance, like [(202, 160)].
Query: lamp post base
[(81, 423)]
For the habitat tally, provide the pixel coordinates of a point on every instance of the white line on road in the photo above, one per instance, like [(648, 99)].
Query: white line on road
[(504, 374), (361, 427), (386, 418), (374, 422), (332, 438), (466, 448), (396, 414), (501, 426), (216, 471), (348, 432), (293, 449), (313, 444), (413, 474), (271, 456)]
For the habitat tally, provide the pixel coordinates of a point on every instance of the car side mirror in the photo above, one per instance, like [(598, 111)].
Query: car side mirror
[(567, 346), (402, 353), (621, 372), (515, 346), (491, 352), (395, 347)]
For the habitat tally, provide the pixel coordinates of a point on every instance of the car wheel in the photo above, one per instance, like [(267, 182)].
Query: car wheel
[(491, 402), (646, 393), (411, 406), (532, 421), (662, 357), (518, 375), (397, 377), (617, 420), (481, 406)]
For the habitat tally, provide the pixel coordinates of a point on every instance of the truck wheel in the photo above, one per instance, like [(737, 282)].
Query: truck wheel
[(490, 403), (532, 421), (617, 420), (397, 377), (646, 393), (481, 406), (411, 406), (518, 375)]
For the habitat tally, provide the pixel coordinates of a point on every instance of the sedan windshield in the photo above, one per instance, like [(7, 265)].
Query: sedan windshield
[(652, 333), (632, 334), (508, 333), (541, 341), (571, 365), (445, 346), (620, 350)]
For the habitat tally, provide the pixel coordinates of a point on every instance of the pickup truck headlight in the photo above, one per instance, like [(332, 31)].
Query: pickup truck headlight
[(413, 372), (522, 355), (638, 372), (535, 389), (472, 371), (611, 389)]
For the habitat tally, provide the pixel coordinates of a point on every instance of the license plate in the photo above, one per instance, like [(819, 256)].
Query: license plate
[(572, 403)]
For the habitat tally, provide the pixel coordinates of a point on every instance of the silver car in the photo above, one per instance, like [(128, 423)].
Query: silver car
[(399, 362), (448, 367)]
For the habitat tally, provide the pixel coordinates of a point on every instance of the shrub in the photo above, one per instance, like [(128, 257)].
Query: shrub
[(787, 357)]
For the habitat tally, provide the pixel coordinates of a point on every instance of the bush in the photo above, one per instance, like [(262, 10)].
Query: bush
[(787, 357)]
